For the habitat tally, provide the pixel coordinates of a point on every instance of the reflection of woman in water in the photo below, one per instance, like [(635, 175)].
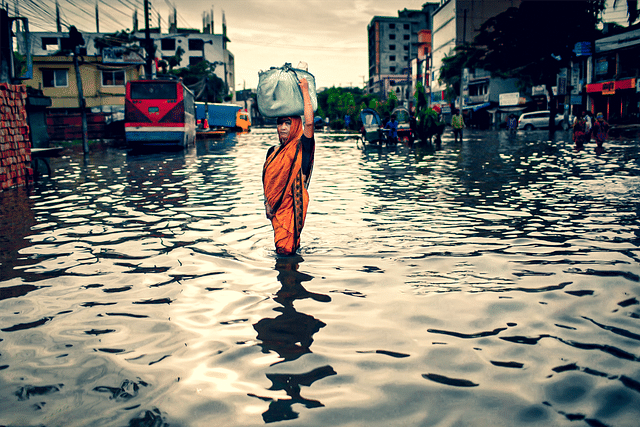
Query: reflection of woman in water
[(290, 335), (286, 174)]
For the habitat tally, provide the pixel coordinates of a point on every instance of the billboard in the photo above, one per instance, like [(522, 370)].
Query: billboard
[(121, 55)]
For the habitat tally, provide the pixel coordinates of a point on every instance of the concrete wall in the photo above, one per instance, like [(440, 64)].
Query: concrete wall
[(15, 145)]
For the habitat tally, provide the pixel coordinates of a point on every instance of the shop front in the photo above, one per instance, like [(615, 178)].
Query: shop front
[(616, 99)]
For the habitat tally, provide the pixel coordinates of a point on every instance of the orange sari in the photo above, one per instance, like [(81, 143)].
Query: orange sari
[(285, 190)]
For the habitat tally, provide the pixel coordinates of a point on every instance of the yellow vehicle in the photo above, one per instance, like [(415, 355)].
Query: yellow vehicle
[(243, 120)]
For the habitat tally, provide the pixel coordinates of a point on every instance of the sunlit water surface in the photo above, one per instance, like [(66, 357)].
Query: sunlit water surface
[(494, 282)]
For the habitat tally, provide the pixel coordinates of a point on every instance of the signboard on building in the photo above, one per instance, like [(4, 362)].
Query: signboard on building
[(582, 49), (121, 55), (610, 87), (465, 87), (575, 79), (562, 82), (509, 99)]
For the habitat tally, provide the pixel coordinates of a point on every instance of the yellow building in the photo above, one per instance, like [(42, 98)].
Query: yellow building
[(102, 84)]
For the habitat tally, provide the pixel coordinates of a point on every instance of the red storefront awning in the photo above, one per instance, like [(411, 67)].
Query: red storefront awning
[(609, 88)]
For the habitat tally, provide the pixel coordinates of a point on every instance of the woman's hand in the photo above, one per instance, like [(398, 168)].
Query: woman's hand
[(304, 85)]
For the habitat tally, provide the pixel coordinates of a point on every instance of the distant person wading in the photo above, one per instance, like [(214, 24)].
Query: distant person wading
[(286, 175)]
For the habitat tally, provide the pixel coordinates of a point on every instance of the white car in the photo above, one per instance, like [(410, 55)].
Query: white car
[(540, 120)]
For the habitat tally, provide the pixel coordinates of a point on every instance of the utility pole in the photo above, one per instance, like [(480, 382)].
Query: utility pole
[(97, 19), (462, 76), (6, 56), (148, 43), (76, 41), (58, 25)]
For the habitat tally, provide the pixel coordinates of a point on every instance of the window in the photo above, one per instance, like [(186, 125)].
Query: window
[(193, 60), (113, 78), (196, 44), (153, 90), (392, 47), (392, 36), (392, 69), (392, 58), (392, 26), (168, 44), (49, 43), (406, 37), (407, 26), (406, 47), (54, 78), (406, 58)]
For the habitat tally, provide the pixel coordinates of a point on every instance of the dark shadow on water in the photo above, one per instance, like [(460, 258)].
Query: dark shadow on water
[(290, 335)]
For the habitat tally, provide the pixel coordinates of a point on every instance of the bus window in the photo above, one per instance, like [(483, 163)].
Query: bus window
[(152, 90)]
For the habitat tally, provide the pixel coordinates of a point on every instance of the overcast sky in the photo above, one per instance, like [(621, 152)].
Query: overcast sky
[(329, 35)]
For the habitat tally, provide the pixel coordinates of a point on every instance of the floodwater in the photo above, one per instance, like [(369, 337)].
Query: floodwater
[(493, 282)]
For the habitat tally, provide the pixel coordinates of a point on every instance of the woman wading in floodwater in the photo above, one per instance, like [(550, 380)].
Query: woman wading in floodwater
[(286, 175)]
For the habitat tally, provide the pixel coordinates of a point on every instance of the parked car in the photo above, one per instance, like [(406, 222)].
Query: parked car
[(318, 122), (540, 120)]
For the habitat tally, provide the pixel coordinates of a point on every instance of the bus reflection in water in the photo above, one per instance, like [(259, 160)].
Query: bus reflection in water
[(159, 113)]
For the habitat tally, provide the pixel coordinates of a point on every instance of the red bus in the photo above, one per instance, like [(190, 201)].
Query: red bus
[(159, 112)]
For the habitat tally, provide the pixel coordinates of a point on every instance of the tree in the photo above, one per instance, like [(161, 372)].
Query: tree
[(531, 43), (428, 123), (507, 48), (175, 60), (464, 56), (335, 103), (203, 81)]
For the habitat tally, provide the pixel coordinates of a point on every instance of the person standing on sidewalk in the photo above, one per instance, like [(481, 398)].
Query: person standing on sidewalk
[(457, 123)]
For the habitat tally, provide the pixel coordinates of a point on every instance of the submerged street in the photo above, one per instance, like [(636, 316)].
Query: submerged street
[(491, 282)]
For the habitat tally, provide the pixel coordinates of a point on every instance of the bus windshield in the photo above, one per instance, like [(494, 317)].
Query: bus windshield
[(154, 90)]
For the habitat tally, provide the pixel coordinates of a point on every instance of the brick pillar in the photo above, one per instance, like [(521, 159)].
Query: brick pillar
[(15, 144)]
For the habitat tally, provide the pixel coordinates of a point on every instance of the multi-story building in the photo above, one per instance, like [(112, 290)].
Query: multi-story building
[(197, 47), (394, 42), (105, 70), (103, 77), (613, 75), (456, 22)]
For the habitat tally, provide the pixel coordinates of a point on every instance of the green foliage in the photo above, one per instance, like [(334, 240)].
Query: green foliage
[(452, 66), (428, 123), (19, 63), (202, 80), (531, 43), (506, 45), (175, 60), (335, 103)]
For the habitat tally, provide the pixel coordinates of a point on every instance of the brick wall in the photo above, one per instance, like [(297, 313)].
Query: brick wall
[(15, 145)]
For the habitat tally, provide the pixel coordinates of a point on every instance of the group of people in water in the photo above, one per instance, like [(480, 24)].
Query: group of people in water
[(585, 128), (287, 169)]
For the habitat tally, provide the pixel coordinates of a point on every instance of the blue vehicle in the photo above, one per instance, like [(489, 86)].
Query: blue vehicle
[(227, 116)]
